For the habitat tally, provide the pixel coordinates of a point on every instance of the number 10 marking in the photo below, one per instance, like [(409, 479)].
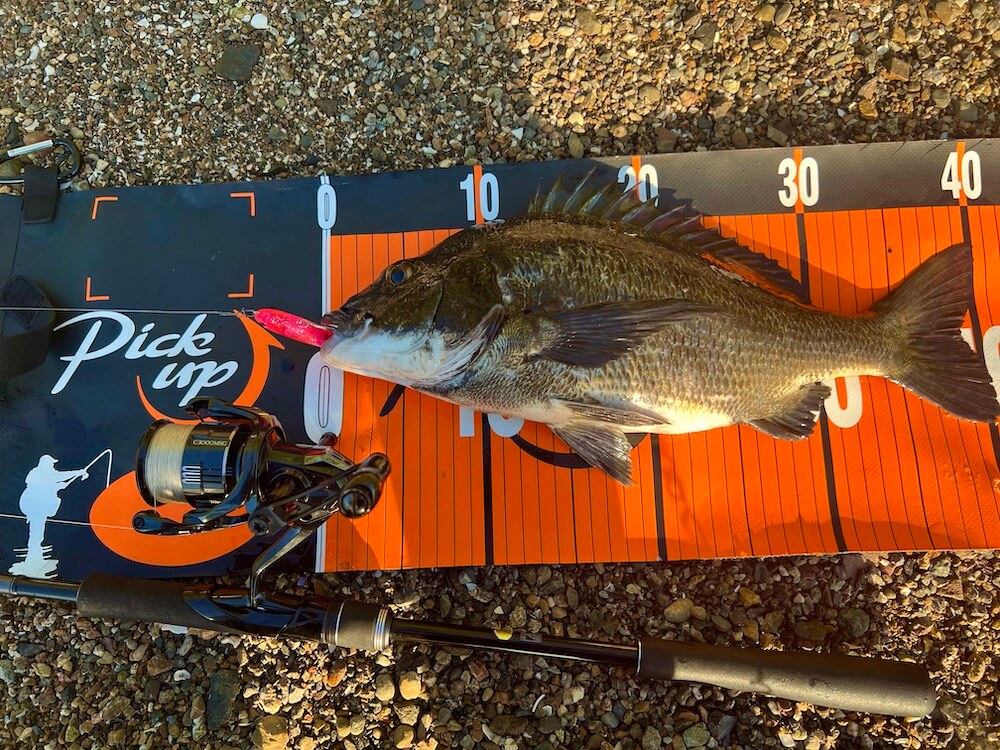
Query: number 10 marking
[(489, 196)]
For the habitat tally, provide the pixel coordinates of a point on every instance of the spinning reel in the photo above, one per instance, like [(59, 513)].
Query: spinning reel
[(234, 467)]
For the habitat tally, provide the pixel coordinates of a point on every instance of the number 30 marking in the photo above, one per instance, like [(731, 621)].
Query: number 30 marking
[(802, 182), (971, 182)]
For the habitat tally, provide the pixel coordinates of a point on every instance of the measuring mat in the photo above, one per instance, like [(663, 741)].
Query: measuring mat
[(149, 283)]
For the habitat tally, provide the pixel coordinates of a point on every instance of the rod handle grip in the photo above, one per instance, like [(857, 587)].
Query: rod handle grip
[(105, 596), (850, 683)]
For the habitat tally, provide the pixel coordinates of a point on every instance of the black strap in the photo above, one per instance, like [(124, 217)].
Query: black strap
[(41, 193), (23, 352)]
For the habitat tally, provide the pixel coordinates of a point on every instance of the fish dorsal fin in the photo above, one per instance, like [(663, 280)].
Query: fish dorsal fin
[(599, 201), (797, 422)]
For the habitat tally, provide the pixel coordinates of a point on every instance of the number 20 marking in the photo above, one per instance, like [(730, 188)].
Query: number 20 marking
[(647, 179), (971, 182), (802, 182)]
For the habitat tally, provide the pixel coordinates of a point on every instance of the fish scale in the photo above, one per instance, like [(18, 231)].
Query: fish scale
[(609, 318)]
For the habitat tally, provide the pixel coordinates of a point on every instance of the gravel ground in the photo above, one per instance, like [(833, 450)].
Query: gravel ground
[(361, 86)]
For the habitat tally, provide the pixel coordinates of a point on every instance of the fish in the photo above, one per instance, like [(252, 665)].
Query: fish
[(601, 315)]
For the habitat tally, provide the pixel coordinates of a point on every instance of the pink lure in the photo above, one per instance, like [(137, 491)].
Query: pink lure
[(292, 326)]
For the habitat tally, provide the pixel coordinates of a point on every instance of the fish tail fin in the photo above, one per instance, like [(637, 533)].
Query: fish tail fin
[(933, 360)]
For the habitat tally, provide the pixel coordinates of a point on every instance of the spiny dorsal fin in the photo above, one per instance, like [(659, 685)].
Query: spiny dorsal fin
[(603, 202)]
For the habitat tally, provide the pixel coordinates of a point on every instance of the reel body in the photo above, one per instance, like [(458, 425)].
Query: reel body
[(235, 466)]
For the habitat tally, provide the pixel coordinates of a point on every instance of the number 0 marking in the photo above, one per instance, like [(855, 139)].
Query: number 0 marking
[(326, 207), (971, 181), (801, 182)]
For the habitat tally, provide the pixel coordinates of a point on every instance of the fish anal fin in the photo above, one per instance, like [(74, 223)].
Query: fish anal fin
[(593, 335), (796, 423), (603, 446), (628, 416)]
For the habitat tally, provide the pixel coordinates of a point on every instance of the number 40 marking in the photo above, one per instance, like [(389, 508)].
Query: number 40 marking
[(970, 182)]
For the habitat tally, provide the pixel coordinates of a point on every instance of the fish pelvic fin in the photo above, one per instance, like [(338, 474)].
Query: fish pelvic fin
[(927, 311), (629, 416), (797, 422), (603, 446), (593, 335), (598, 199)]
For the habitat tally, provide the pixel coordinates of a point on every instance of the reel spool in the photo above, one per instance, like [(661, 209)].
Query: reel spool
[(235, 466)]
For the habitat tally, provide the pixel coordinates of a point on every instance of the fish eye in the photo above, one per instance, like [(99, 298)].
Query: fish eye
[(398, 273)]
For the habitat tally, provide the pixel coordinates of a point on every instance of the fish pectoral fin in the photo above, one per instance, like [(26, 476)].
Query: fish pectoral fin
[(798, 422), (603, 446), (630, 416), (593, 335)]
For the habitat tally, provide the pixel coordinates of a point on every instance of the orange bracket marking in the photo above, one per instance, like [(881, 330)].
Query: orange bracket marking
[(253, 201), (101, 199), (243, 295), (95, 297)]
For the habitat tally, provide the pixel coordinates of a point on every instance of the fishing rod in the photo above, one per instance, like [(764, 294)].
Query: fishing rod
[(234, 466), (105, 452)]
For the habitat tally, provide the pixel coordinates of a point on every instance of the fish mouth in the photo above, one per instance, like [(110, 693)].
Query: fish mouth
[(347, 322)]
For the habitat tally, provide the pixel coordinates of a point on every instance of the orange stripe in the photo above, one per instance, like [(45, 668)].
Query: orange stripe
[(473, 455), (686, 498), (501, 493), (617, 519), (634, 502), (722, 495), (756, 516), (448, 475), (531, 516), (797, 158), (963, 199), (514, 502), (477, 176), (563, 495), (583, 530)]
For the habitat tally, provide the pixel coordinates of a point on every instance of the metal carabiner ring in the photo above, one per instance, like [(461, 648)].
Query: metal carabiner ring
[(51, 143)]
